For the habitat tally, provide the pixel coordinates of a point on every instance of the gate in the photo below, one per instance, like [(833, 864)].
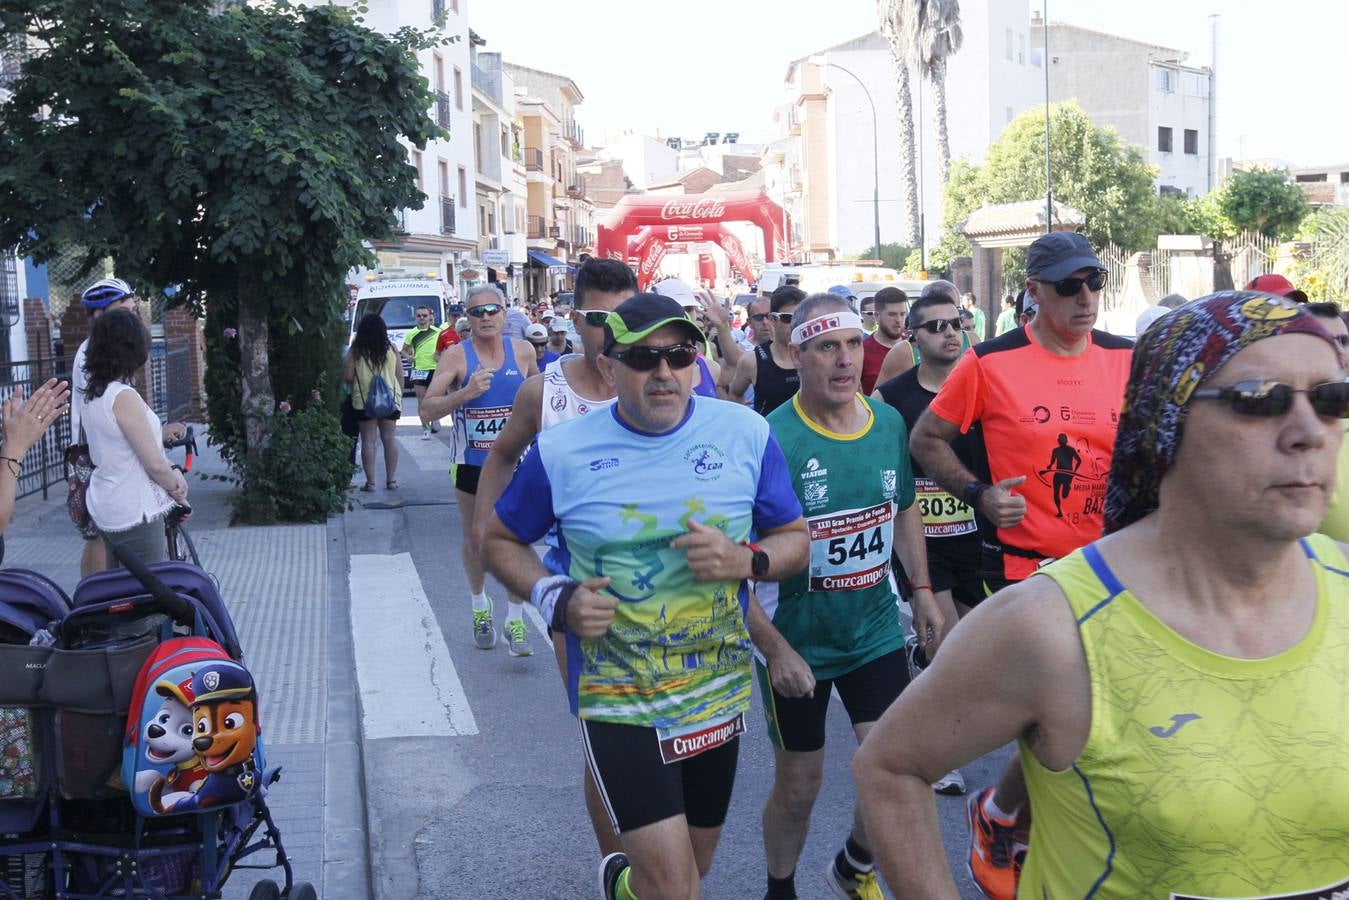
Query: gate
[(1116, 262)]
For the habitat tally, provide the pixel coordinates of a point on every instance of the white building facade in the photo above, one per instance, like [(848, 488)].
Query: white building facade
[(499, 175)]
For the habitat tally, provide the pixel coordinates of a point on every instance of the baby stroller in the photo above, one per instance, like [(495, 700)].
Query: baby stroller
[(71, 826)]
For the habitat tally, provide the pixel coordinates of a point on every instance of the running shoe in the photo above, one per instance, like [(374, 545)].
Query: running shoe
[(952, 784), (611, 867), (435, 428), (426, 433), (916, 656), (865, 886), (517, 641), (484, 632), (993, 850)]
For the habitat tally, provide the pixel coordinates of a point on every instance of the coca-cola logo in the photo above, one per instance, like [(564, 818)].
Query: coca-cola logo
[(693, 209), (651, 261)]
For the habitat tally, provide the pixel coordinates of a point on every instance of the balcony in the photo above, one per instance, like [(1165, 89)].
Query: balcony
[(573, 132), (443, 110), (580, 236), (535, 229), (555, 231), (446, 214), (489, 82), (533, 159), (576, 191)]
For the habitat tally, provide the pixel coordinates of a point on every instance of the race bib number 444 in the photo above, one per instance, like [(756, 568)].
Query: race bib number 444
[(484, 424), (850, 550)]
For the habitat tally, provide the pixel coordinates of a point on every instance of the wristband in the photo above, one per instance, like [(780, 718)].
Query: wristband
[(558, 622), (544, 594), (15, 465), (973, 491), (920, 587)]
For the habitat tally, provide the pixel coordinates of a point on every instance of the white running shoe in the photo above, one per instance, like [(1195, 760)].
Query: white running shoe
[(952, 784)]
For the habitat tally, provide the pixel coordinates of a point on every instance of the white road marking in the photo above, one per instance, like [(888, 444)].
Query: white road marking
[(408, 683)]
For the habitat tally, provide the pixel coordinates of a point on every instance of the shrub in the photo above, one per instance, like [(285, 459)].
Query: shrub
[(304, 472)]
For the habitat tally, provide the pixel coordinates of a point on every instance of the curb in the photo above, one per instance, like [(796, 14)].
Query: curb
[(347, 870)]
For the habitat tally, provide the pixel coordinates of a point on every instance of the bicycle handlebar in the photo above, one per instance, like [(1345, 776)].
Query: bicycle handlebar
[(189, 441)]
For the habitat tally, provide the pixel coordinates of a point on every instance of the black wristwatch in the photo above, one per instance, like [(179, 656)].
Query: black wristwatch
[(758, 563), (973, 491)]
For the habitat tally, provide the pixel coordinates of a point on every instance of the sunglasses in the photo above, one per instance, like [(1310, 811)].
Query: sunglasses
[(539, 344), (868, 312), (784, 318), (1272, 398), (759, 317), (595, 318), (487, 309), (1342, 340), (647, 359), (940, 326), (1068, 287)]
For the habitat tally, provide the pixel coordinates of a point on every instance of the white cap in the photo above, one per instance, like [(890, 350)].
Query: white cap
[(1147, 317), (677, 291), (536, 332), (558, 324)]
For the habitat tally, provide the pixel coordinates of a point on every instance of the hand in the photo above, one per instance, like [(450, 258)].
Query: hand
[(928, 621), (1003, 508), (174, 431), (478, 384), (712, 555), (790, 675), (179, 490), (24, 422), (589, 614), (715, 312)]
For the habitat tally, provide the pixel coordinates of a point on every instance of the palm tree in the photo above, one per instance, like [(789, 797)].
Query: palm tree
[(939, 36), (899, 21)]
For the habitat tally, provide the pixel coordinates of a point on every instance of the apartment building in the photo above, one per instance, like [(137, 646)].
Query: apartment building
[(499, 173), (559, 218)]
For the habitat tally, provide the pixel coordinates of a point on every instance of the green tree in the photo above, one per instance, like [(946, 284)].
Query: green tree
[(240, 153), (1095, 172), (1262, 200), (892, 255)]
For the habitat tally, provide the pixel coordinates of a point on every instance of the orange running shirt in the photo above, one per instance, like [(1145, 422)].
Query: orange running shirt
[(1049, 418)]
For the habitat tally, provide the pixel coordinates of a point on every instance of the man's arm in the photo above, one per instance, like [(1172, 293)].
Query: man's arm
[(911, 544), (1012, 668), (930, 445), (525, 358), (441, 397), (745, 372), (521, 429), (898, 360), (715, 557)]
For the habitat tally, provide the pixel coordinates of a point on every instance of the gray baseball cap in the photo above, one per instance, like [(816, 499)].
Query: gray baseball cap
[(1059, 254)]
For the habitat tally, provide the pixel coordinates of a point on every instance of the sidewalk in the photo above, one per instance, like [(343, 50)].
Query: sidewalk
[(286, 588)]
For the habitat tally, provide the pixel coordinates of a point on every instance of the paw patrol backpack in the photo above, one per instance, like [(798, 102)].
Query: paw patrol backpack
[(193, 742)]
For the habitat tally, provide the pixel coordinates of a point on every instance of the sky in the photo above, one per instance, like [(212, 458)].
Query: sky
[(682, 69)]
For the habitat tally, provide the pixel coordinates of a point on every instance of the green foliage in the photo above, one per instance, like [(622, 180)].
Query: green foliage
[(1322, 268), (892, 256), (1095, 172), (303, 473), (1262, 200)]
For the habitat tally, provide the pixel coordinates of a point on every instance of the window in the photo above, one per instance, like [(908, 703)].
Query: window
[(1021, 49), (1166, 81), (458, 89), (1009, 43), (505, 141), (444, 170), (454, 5), (1196, 85), (438, 71), (492, 220), (1344, 178), (1164, 140), (1313, 177), (482, 219), (417, 164), (1192, 141), (463, 187), (477, 145)]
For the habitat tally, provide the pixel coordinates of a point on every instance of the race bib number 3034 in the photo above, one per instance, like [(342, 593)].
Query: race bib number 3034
[(850, 550), (943, 515), (484, 424)]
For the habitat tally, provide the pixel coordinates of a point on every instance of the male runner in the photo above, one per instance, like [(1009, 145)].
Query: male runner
[(904, 354), (1055, 376), (655, 499), (769, 368), (948, 523), (1178, 688), (419, 346), (476, 380), (868, 306), (1336, 521), (891, 307), (836, 626)]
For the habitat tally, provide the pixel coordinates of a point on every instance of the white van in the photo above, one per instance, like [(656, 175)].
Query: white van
[(818, 277), (395, 298)]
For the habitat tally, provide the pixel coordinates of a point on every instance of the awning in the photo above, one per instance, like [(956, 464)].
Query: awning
[(554, 265)]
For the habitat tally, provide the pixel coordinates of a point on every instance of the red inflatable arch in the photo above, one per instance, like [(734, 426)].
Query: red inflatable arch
[(651, 243), (634, 212)]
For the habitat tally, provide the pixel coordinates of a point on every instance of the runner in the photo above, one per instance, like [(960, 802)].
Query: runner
[(558, 329), (477, 380), (1336, 522), (1057, 376), (655, 501), (948, 523), (537, 335), (419, 346), (838, 626), (891, 307), (1178, 688), (769, 368), (571, 388), (903, 356), (868, 305)]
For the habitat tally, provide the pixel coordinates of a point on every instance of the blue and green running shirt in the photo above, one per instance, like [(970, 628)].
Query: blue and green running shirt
[(677, 655)]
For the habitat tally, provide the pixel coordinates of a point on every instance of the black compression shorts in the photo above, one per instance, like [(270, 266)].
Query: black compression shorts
[(797, 723), (466, 478)]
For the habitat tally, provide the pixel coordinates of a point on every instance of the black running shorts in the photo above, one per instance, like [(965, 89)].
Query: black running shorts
[(957, 572), (797, 723), (639, 788), (466, 478)]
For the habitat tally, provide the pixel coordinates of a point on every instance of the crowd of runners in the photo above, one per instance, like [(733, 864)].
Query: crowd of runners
[(823, 497)]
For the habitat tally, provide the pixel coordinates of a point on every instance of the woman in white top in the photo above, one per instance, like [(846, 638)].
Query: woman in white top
[(133, 485)]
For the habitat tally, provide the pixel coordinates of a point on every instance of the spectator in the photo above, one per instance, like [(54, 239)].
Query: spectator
[(971, 303), (1276, 285), (133, 485), (372, 354), (1171, 301), (1007, 318), (24, 423)]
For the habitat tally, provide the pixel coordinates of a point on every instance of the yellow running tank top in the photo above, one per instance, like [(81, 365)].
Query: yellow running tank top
[(1203, 776)]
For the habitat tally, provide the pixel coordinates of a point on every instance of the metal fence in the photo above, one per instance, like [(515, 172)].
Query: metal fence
[(171, 382), (1116, 263), (44, 465)]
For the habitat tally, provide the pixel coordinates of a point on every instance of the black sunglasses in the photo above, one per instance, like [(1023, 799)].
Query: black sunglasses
[(1273, 398), (938, 326), (1068, 287), (595, 318), (784, 318), (759, 317), (487, 309), (1342, 340), (539, 344), (646, 359)]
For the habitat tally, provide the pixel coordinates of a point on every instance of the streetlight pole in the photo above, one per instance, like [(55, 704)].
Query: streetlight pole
[(875, 155)]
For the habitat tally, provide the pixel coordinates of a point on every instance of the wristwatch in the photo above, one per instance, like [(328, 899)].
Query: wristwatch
[(758, 563), (973, 491)]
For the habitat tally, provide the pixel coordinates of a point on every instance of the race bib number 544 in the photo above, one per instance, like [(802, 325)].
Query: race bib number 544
[(850, 550)]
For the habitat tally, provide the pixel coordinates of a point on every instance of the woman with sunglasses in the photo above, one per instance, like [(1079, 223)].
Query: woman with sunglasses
[(477, 380), (1179, 687)]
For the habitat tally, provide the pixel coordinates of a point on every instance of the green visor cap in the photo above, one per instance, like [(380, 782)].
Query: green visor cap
[(642, 314)]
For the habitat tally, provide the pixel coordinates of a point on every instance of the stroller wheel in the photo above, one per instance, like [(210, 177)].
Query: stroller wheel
[(302, 890), (265, 890)]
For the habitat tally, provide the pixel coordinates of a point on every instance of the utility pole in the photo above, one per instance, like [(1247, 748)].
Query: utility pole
[(1213, 105), (1049, 177)]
